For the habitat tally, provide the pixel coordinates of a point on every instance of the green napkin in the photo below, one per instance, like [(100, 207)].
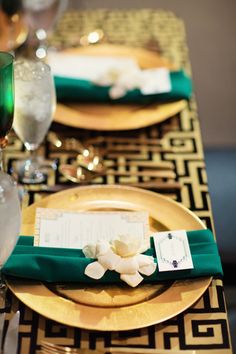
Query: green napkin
[(69, 89), (68, 265)]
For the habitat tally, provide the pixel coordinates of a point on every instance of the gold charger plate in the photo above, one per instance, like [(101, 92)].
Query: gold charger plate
[(13, 31), (112, 308), (118, 116)]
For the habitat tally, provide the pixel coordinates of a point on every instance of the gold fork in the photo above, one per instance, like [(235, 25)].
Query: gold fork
[(50, 348)]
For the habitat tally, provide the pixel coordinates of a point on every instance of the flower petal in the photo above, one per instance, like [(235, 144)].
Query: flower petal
[(132, 279), (102, 248), (116, 92), (90, 251), (144, 246), (148, 270), (126, 245), (127, 265), (120, 248), (95, 270), (109, 260), (144, 260)]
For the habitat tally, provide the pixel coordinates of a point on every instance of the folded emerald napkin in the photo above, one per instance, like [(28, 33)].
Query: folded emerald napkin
[(81, 90), (68, 265)]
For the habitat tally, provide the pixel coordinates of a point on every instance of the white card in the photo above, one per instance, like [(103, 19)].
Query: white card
[(172, 250), (155, 81), (71, 229), (87, 67)]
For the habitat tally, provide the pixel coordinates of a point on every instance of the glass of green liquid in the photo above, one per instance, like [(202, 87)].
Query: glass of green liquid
[(6, 99)]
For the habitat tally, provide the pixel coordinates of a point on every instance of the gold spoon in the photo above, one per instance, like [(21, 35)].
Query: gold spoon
[(88, 157), (90, 160), (76, 174)]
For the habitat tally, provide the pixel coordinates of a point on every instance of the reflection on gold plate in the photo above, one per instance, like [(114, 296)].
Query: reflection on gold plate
[(112, 308), (118, 116), (109, 295), (13, 31)]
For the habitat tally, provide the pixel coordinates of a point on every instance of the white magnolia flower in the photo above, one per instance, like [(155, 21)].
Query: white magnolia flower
[(116, 92), (121, 80), (127, 245), (121, 255), (96, 250)]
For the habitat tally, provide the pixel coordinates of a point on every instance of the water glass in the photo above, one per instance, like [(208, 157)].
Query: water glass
[(35, 103), (42, 15)]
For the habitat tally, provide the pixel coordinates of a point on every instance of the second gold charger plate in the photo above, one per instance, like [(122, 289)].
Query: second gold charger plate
[(13, 31), (117, 307), (118, 116)]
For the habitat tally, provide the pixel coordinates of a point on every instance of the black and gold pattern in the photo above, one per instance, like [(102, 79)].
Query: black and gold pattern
[(177, 141)]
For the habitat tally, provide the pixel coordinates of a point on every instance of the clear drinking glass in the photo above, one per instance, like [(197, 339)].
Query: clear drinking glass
[(10, 220), (35, 103), (9, 216), (9, 202), (41, 16)]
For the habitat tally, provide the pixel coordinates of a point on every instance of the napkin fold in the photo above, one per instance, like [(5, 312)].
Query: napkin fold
[(81, 90), (68, 265)]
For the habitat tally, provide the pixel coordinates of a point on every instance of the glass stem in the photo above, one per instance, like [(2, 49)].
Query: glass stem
[(3, 290), (1, 159), (32, 149), (3, 144), (33, 154)]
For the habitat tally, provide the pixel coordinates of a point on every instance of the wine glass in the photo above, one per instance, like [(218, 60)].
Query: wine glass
[(10, 218), (35, 103), (9, 202), (41, 16)]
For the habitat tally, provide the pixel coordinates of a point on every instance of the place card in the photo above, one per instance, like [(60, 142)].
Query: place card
[(72, 229), (172, 250), (155, 81), (88, 67)]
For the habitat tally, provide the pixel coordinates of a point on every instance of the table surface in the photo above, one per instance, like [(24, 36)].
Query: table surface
[(204, 326)]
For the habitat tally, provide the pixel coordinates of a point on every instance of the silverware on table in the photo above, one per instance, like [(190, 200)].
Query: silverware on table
[(50, 348), (88, 157), (2, 320), (98, 157), (11, 340)]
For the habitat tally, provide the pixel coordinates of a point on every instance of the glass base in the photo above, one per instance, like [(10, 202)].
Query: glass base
[(32, 171), (29, 172), (35, 177)]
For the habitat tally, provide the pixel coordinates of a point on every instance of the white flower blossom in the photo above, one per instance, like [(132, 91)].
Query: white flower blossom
[(122, 80), (121, 255)]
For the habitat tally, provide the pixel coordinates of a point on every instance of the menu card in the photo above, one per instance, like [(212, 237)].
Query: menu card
[(72, 229), (88, 67), (172, 250)]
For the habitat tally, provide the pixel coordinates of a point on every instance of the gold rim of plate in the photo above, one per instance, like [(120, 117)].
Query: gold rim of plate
[(118, 116), (13, 31), (165, 214)]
